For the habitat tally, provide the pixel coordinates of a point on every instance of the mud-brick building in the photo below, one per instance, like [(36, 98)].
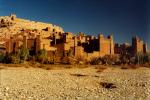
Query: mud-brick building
[(95, 46), (62, 44), (32, 40), (84, 46), (138, 46), (122, 48), (37, 35)]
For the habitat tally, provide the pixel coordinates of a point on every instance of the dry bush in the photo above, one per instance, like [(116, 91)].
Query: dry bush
[(66, 60), (80, 60), (106, 60), (96, 61), (69, 60), (111, 60)]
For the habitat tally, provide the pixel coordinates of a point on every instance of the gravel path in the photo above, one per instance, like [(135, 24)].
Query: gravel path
[(74, 84)]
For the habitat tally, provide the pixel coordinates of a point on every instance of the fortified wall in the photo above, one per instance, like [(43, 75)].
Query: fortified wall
[(88, 46)]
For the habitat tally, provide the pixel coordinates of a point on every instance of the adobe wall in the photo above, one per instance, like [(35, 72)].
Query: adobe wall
[(12, 45), (60, 49), (137, 45), (9, 46), (30, 43), (106, 45), (27, 24), (43, 43), (90, 56), (140, 46), (79, 51), (38, 43)]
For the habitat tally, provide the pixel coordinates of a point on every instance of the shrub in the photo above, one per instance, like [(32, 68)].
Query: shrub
[(111, 60), (65, 60), (11, 58), (125, 58), (42, 56), (48, 61), (141, 58), (107, 60), (23, 53), (147, 58), (7, 58), (15, 59), (2, 57), (96, 61), (80, 60)]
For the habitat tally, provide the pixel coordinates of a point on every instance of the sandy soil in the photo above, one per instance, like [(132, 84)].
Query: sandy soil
[(73, 84)]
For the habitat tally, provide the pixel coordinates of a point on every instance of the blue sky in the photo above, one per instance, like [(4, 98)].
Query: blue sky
[(125, 18)]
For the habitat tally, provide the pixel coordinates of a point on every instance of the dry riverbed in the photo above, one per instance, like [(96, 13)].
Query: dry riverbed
[(20, 83)]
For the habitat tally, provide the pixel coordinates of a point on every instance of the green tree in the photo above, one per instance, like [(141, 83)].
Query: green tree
[(23, 53), (2, 57), (15, 58), (42, 56), (148, 57), (140, 58), (12, 58)]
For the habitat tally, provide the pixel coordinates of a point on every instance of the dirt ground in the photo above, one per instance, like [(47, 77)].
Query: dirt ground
[(66, 83)]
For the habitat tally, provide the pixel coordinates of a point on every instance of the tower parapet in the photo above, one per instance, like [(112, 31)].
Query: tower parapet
[(106, 45), (100, 35), (13, 17), (138, 45)]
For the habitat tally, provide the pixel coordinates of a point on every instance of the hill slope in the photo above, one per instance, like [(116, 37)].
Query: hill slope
[(13, 25)]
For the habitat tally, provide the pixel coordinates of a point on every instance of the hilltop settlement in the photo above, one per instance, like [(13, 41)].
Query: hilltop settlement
[(37, 37)]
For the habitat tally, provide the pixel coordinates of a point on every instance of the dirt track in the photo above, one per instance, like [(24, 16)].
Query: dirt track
[(74, 84)]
